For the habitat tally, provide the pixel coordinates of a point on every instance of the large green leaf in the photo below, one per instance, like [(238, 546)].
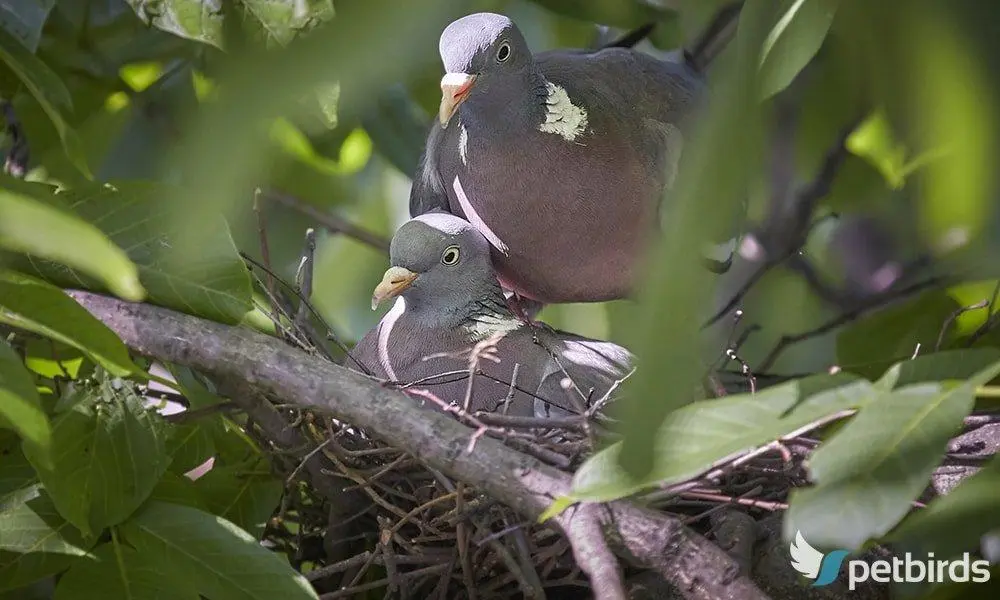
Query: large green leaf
[(47, 89), (108, 451), (31, 225), (796, 30), (213, 284), (44, 309), (894, 333), (198, 20), (957, 521), (118, 571), (24, 19), (283, 20), (699, 435), (869, 473), (241, 494), (20, 407), (35, 541), (940, 366), (218, 559)]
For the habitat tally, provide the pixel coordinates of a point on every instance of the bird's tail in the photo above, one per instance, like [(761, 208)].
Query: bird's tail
[(721, 29)]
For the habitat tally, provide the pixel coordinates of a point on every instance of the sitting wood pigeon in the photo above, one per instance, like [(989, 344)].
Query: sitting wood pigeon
[(449, 305), (559, 159)]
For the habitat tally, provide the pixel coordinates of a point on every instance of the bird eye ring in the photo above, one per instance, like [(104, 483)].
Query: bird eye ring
[(504, 52), (450, 256)]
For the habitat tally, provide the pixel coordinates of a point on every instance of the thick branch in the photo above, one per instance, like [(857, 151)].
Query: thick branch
[(647, 539)]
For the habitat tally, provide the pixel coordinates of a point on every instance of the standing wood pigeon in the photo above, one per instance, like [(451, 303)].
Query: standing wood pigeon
[(559, 159), (449, 304)]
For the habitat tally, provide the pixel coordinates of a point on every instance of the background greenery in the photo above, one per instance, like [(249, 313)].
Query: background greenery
[(196, 111)]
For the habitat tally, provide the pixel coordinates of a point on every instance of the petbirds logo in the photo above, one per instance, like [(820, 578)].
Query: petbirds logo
[(824, 568), (814, 564)]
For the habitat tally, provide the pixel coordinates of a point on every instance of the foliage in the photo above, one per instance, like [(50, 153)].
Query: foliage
[(162, 135)]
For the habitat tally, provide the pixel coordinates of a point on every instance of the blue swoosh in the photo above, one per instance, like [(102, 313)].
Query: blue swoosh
[(830, 567)]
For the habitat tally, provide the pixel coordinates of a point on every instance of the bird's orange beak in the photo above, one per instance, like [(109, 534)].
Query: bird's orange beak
[(454, 88), (395, 280)]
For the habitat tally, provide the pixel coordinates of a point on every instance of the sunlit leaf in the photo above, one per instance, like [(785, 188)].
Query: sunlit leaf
[(45, 309), (118, 571), (108, 453), (214, 283), (868, 474), (37, 225), (697, 436), (218, 559), (198, 20), (20, 407), (245, 496)]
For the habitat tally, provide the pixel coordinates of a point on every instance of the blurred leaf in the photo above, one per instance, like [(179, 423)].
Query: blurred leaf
[(284, 19), (218, 559), (894, 332), (20, 407), (618, 13), (242, 494), (198, 20), (109, 452), (213, 284), (874, 141), (797, 30), (868, 474), (48, 90), (939, 367), (957, 521), (35, 541), (24, 19), (398, 128), (119, 571), (699, 435), (36, 225), (44, 309), (327, 96)]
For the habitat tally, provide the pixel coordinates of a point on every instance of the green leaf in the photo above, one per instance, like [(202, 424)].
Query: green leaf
[(198, 20), (24, 19), (109, 451), (191, 444), (50, 359), (214, 284), (242, 495), (41, 228), (177, 489), (957, 521), (697, 436), (868, 474), (798, 30), (283, 20), (894, 333), (44, 309), (35, 541), (20, 406), (218, 559), (940, 366), (48, 90), (16, 473), (118, 571)]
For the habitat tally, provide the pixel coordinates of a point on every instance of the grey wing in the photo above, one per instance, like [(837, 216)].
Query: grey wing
[(592, 368), (428, 193)]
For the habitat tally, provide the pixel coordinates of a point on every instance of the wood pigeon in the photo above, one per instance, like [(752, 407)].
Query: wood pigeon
[(559, 159), (449, 305)]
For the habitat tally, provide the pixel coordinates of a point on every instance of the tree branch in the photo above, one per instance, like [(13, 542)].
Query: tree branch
[(698, 568)]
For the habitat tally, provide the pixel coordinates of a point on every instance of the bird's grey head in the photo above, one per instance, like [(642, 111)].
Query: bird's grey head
[(439, 261), (478, 51)]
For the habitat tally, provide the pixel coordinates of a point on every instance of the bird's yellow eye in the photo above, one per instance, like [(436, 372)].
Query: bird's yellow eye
[(504, 52), (450, 256)]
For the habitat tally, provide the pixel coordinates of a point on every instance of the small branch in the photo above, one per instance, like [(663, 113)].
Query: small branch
[(331, 222), (953, 316)]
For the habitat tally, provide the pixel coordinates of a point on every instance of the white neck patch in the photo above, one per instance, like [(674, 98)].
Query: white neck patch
[(384, 330), (485, 326), (463, 144), (562, 117), (477, 221)]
